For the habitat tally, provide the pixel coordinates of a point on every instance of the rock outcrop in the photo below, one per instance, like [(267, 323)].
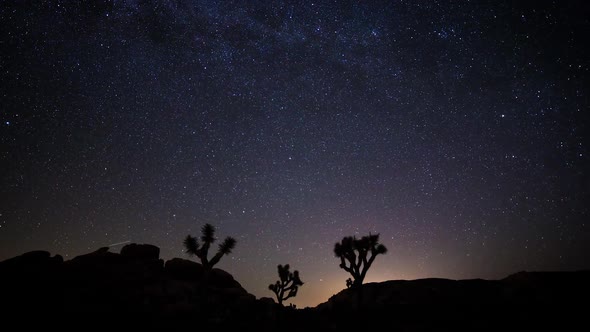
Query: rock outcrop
[(134, 285), (137, 289)]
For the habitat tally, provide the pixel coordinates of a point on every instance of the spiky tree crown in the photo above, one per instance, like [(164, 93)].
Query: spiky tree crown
[(357, 255), (208, 233), (227, 245), (287, 285), (191, 244), (193, 247)]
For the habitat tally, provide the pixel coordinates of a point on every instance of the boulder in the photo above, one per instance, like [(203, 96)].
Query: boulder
[(32, 258), (32, 265), (141, 251), (95, 263), (183, 269), (222, 279)]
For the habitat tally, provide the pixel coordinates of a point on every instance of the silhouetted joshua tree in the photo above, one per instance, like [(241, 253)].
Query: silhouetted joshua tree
[(201, 251), (354, 252), (288, 284)]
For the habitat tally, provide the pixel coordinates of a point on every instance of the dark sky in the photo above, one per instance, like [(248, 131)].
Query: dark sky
[(457, 130)]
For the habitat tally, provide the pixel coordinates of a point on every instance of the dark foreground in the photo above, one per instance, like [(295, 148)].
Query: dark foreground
[(136, 289)]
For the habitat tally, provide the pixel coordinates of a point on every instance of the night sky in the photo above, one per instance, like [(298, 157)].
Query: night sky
[(458, 130)]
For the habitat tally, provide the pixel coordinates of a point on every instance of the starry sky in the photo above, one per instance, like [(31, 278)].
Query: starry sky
[(457, 130)]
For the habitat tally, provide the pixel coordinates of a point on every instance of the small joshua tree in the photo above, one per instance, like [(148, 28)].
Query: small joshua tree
[(348, 283), (288, 284), (359, 254), (201, 251)]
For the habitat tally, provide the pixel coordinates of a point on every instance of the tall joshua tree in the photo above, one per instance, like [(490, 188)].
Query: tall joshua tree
[(357, 255), (193, 247), (287, 286)]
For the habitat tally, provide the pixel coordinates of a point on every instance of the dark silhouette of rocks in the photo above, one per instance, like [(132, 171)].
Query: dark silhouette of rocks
[(522, 301), (140, 251), (30, 262), (182, 269), (137, 289), (134, 286)]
